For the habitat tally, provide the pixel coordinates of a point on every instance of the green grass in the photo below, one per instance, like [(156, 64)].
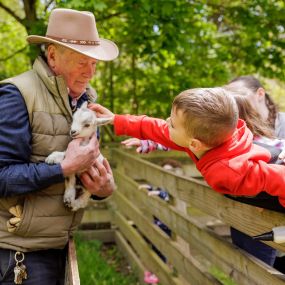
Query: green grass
[(104, 265), (101, 265), (225, 279)]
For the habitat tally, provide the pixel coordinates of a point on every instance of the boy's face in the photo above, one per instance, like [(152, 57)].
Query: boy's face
[(176, 128)]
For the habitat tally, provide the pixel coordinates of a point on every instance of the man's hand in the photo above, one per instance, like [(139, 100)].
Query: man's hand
[(79, 157), (98, 179), (102, 112)]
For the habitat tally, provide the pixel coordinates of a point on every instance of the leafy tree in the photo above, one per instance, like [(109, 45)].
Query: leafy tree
[(20, 18), (166, 46)]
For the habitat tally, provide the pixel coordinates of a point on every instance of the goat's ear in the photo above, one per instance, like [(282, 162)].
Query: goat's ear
[(84, 105), (103, 121)]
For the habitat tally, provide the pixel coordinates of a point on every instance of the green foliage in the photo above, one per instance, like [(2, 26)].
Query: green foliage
[(100, 270), (166, 46), (222, 277), (83, 5), (11, 43)]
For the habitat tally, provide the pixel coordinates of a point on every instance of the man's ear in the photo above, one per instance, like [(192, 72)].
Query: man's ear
[(51, 54)]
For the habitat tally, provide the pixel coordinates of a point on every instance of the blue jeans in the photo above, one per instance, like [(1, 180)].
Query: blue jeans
[(256, 248), (45, 267)]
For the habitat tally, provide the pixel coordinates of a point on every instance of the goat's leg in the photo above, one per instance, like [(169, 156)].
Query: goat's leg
[(55, 157), (100, 158), (81, 201), (70, 191)]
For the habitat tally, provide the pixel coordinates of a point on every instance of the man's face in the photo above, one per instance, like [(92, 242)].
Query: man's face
[(76, 69), (176, 128)]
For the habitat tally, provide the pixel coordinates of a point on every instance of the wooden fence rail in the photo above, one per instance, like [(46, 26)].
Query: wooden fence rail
[(194, 252), (71, 269), (96, 224)]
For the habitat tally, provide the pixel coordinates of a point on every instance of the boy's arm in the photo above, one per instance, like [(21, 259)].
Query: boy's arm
[(143, 127), (245, 178), (143, 146)]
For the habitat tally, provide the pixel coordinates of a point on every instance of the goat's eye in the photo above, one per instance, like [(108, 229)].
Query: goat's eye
[(86, 125)]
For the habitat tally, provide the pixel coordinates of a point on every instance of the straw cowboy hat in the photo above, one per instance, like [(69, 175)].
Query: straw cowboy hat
[(76, 30)]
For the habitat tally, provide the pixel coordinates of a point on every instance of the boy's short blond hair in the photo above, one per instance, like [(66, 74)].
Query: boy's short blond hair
[(210, 114)]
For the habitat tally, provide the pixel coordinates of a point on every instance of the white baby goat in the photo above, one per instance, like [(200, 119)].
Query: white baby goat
[(84, 125)]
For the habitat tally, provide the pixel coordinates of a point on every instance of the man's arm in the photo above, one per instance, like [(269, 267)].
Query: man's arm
[(17, 174)]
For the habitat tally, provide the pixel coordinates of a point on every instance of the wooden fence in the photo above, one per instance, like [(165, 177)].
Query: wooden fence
[(199, 250), (71, 268), (95, 225)]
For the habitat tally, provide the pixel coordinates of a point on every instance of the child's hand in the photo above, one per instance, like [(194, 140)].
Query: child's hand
[(282, 156), (101, 112), (133, 142)]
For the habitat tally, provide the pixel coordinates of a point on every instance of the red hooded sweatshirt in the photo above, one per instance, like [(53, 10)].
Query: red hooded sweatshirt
[(236, 167)]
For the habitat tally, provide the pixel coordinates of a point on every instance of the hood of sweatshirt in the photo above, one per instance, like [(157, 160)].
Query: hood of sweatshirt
[(235, 151)]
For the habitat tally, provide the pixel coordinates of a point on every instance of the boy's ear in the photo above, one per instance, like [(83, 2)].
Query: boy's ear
[(196, 145)]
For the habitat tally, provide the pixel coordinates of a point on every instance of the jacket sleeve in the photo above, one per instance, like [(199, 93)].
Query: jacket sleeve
[(17, 174), (252, 178), (143, 127)]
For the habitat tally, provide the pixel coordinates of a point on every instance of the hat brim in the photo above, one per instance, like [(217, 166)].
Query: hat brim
[(105, 51)]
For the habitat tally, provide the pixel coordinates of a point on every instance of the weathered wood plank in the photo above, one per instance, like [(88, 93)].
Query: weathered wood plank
[(93, 215), (138, 168), (105, 236), (72, 273), (154, 264), (196, 193), (248, 219), (222, 253), (136, 264), (187, 265)]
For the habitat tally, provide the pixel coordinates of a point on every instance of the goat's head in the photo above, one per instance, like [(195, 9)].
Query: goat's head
[(85, 122)]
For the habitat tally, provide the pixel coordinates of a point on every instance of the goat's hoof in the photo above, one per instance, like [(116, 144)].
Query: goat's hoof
[(68, 201), (74, 208), (55, 157), (49, 160), (67, 204)]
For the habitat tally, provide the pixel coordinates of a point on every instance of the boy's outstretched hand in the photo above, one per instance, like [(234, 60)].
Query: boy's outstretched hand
[(128, 143), (282, 156), (102, 112)]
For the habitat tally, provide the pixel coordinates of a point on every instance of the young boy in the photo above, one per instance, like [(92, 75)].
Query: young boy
[(204, 123)]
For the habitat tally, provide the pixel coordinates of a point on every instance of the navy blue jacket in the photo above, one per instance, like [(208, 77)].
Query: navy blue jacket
[(17, 174)]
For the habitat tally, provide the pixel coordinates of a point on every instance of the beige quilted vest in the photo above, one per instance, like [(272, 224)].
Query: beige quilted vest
[(45, 222)]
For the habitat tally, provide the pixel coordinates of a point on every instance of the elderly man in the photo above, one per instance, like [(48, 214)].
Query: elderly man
[(36, 112)]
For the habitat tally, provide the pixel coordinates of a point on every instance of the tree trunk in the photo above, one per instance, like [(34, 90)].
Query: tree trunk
[(31, 14), (135, 105), (111, 86)]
